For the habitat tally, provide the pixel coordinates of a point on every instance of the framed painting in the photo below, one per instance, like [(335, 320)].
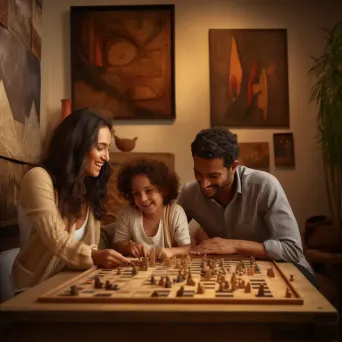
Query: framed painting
[(19, 103), (254, 155), (122, 60), (249, 78), (284, 150)]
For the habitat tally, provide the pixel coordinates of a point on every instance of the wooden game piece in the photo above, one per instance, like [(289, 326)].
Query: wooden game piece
[(222, 270), (200, 288), (97, 283), (207, 275), (233, 278), (108, 285), (221, 287), (161, 282), (226, 285), (180, 292), (218, 279), (188, 260), (190, 281), (248, 288), (251, 271), (153, 280), (134, 270), (152, 257), (261, 290), (178, 265), (168, 283), (116, 287), (204, 257), (270, 273), (155, 294), (118, 271), (291, 277), (288, 293), (73, 290)]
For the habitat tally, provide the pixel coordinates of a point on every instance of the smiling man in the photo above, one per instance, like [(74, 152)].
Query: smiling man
[(241, 210)]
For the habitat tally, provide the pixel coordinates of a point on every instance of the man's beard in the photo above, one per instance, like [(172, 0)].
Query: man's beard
[(219, 189)]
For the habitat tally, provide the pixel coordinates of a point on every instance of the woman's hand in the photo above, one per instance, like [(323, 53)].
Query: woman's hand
[(138, 250), (108, 258)]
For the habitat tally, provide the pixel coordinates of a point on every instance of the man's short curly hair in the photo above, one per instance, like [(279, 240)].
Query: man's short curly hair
[(216, 142), (156, 171)]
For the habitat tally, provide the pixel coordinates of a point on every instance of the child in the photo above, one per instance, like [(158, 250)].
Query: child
[(152, 219)]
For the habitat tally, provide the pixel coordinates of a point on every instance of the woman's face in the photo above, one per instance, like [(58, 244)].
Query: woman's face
[(99, 152)]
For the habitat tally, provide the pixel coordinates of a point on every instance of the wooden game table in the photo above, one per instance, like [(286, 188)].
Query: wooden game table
[(25, 319)]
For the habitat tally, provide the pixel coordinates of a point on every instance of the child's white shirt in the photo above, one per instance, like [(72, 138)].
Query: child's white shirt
[(129, 226)]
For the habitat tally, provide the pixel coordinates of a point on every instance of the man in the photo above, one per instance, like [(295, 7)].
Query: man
[(242, 211)]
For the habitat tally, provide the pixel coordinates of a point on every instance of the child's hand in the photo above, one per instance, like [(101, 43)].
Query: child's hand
[(138, 250), (166, 253)]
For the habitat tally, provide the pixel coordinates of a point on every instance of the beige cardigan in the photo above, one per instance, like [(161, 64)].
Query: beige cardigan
[(51, 245)]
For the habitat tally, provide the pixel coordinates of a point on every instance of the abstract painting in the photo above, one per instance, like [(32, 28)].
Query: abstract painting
[(20, 19), (284, 150), (248, 78), (19, 100), (10, 178), (4, 13), (36, 29), (254, 155), (122, 60)]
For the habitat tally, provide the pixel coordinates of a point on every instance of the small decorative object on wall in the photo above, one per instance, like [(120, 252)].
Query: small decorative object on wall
[(255, 155), (125, 145), (283, 150), (122, 59), (249, 78)]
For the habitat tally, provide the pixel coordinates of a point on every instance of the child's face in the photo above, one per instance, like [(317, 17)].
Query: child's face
[(147, 196)]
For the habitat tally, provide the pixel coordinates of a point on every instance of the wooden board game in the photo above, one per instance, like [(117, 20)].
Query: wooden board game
[(208, 279)]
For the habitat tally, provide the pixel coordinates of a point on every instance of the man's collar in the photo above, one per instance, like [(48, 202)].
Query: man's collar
[(238, 180)]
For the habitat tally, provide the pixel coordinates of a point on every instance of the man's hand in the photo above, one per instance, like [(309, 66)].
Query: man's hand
[(108, 258), (138, 250), (215, 246), (200, 236)]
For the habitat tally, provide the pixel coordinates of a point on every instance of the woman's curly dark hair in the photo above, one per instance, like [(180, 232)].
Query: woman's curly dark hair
[(216, 142), (66, 160), (156, 171)]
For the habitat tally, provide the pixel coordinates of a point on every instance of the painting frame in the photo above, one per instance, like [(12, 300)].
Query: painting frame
[(249, 78), (284, 156), (124, 85), (255, 155)]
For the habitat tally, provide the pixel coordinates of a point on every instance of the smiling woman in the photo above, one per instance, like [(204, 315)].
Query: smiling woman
[(61, 202)]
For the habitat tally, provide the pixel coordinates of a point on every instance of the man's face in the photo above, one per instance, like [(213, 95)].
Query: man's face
[(213, 176)]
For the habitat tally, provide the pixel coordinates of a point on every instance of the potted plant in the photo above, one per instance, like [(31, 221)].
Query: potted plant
[(327, 93)]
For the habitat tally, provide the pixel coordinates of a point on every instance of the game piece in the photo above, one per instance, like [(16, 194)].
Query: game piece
[(108, 285), (288, 293), (161, 282), (180, 292), (173, 260), (152, 257), (190, 281), (73, 290), (97, 283), (122, 286), (261, 290), (270, 272), (251, 271), (291, 277), (134, 270), (167, 262), (248, 288)]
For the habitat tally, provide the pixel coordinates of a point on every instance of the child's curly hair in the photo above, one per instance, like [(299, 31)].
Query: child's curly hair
[(156, 171)]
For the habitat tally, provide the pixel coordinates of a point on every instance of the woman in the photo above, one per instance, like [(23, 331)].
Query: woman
[(63, 201)]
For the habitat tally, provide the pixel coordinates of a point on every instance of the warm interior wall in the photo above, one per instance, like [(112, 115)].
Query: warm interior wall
[(302, 19)]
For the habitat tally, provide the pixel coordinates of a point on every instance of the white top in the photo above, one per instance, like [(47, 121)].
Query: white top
[(79, 233), (129, 226)]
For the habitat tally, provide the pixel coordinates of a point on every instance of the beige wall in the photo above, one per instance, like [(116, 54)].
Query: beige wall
[(304, 185)]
